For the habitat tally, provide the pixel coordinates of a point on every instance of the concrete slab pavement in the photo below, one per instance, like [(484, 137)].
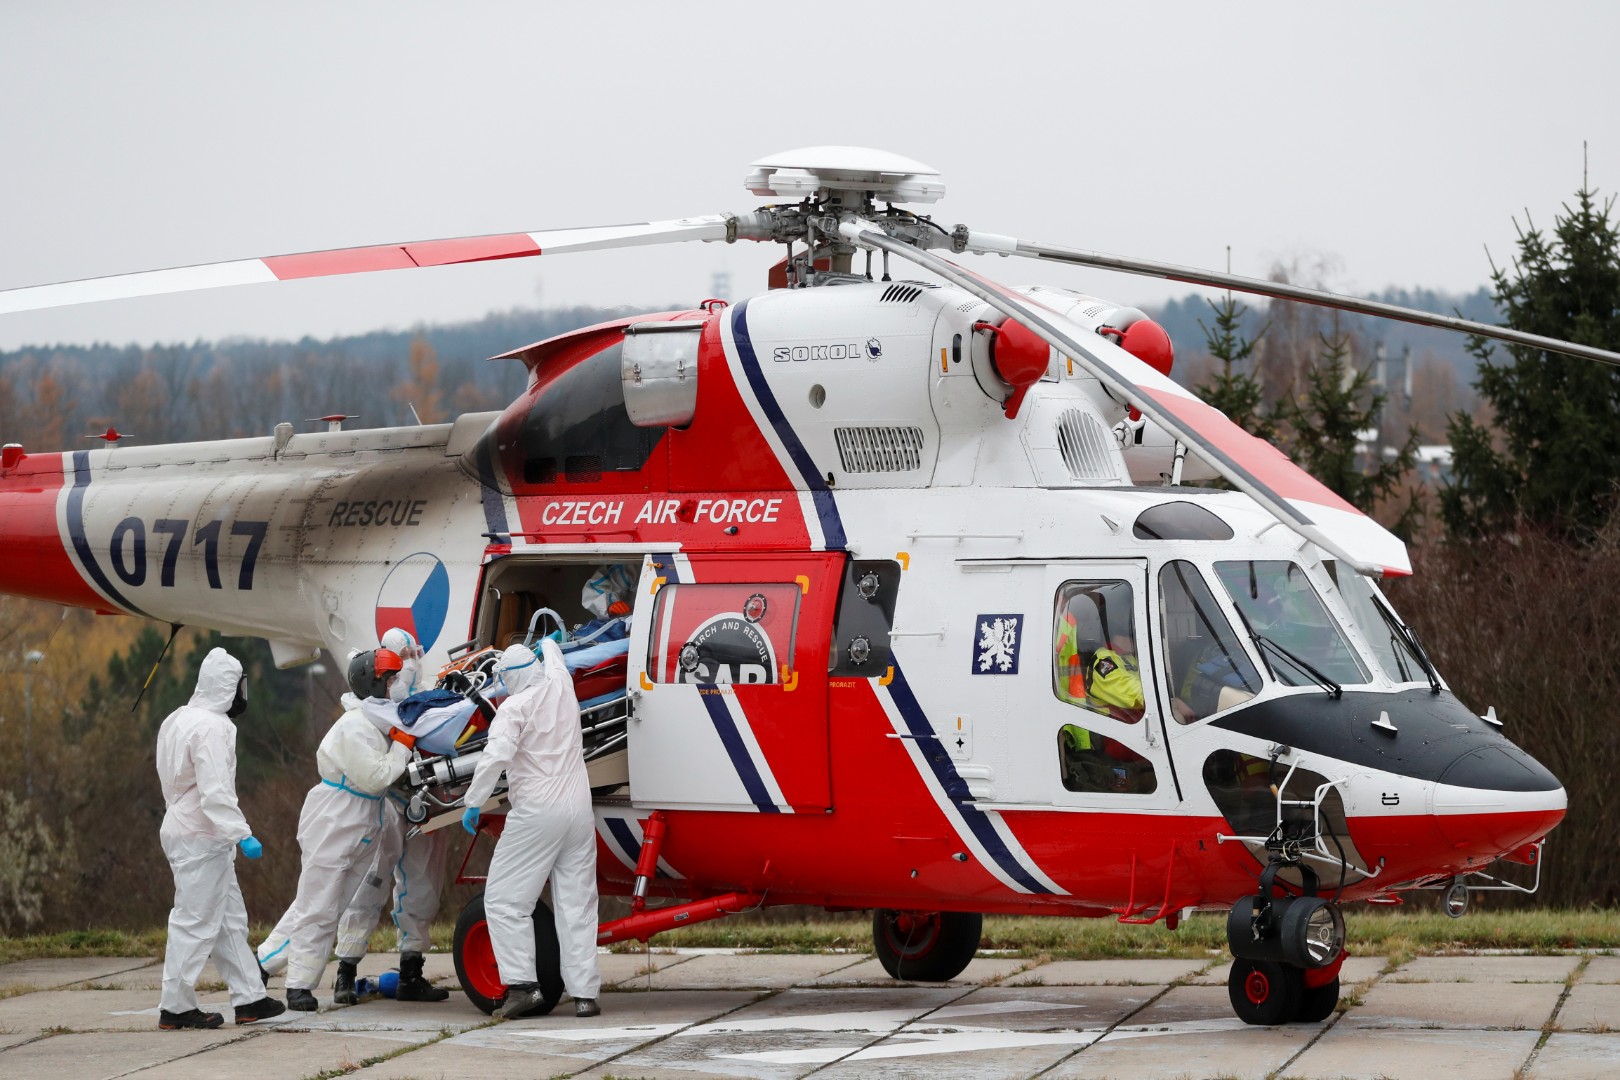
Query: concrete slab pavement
[(1457, 1005), (52, 974), (1481, 969), (1109, 973), (273, 1054), (788, 1016), (101, 1055), (870, 972), (1591, 1007), (1359, 1053), (1577, 1057)]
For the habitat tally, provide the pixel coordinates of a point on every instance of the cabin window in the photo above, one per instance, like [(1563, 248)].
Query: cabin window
[(1292, 629), (1208, 670), (577, 429), (1094, 662), (1093, 762), (732, 634), (1179, 521)]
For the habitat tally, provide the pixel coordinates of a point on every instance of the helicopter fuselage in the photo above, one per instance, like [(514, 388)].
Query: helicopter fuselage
[(853, 664)]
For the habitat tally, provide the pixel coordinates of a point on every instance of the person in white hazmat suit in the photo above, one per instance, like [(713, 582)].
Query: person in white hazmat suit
[(363, 753), (202, 830), (550, 831), (415, 864)]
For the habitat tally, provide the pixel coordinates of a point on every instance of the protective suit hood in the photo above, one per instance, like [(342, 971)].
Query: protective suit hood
[(216, 682), (520, 669)]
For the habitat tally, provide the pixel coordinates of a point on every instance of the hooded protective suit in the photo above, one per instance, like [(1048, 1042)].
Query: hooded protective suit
[(416, 864), (535, 738), (337, 829), (196, 764)]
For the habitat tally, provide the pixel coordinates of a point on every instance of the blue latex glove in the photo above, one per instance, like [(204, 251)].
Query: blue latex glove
[(469, 819), (251, 848)]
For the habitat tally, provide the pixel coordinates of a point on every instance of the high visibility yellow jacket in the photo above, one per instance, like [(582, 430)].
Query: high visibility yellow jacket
[(1115, 681)]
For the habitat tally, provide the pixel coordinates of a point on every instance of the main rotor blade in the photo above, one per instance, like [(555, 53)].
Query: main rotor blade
[(1277, 290), (361, 260), (1294, 496)]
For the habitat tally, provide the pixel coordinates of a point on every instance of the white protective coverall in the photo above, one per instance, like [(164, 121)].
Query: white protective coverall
[(196, 764), (337, 830), (550, 829), (415, 865)]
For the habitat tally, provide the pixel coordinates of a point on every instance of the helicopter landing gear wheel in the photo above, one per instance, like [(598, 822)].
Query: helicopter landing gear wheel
[(1267, 992), (925, 946), (475, 958), (1316, 1003)]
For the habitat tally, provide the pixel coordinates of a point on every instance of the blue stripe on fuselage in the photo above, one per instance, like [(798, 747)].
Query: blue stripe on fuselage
[(832, 526), (956, 789)]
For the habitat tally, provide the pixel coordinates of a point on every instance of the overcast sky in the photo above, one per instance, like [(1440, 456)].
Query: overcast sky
[(1395, 141)]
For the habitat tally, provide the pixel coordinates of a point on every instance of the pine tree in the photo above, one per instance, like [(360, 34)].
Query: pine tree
[(1325, 426), (1553, 462), (1233, 391)]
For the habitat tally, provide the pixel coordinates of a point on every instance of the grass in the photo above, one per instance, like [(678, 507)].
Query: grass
[(1372, 933), (1398, 935)]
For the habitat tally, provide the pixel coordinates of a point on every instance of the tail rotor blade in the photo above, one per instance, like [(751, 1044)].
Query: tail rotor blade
[(362, 260)]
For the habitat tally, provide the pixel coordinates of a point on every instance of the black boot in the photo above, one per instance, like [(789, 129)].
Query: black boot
[(343, 986), (587, 1007), (192, 1018), (520, 1000), (263, 1009), (412, 985), (302, 1001)]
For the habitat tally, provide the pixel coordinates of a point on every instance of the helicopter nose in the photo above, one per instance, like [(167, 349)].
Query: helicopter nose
[(1493, 799)]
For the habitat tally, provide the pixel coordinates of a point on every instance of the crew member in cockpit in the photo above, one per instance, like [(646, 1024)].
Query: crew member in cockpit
[(1115, 682)]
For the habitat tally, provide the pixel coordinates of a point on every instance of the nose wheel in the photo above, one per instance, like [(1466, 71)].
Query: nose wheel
[(1287, 950)]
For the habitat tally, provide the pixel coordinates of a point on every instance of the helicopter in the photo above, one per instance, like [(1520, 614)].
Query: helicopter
[(883, 535)]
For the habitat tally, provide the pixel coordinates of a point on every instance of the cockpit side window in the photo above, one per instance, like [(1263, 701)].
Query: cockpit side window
[(1208, 670), (1095, 664), (1379, 625), (1300, 640)]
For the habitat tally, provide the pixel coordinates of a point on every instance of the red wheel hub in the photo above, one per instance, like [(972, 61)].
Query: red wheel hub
[(478, 957), (912, 934), (1257, 987)]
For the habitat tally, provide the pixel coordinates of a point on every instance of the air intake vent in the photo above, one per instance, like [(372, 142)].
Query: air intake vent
[(900, 293), (879, 449), (1086, 446)]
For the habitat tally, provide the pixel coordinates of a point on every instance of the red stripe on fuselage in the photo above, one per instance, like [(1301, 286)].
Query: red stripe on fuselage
[(36, 562), (360, 260)]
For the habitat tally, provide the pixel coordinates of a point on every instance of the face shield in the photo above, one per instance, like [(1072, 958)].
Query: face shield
[(238, 705)]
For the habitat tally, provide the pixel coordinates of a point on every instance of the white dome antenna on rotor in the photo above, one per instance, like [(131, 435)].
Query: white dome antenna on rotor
[(822, 171)]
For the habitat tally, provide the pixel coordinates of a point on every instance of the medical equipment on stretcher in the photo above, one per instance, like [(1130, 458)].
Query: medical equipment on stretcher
[(451, 743)]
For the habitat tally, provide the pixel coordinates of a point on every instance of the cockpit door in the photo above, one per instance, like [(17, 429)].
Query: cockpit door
[(728, 660), (1101, 738)]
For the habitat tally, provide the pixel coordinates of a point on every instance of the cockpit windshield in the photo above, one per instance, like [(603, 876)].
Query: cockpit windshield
[(1292, 629), (1209, 671), (1394, 646)]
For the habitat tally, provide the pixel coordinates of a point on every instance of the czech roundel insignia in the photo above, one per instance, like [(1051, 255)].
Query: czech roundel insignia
[(995, 644), (416, 597)]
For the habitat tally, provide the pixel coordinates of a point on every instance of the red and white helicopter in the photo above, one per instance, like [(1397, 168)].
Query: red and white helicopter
[(883, 531)]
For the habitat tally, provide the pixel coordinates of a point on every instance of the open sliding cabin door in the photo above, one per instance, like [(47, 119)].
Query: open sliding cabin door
[(728, 657)]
